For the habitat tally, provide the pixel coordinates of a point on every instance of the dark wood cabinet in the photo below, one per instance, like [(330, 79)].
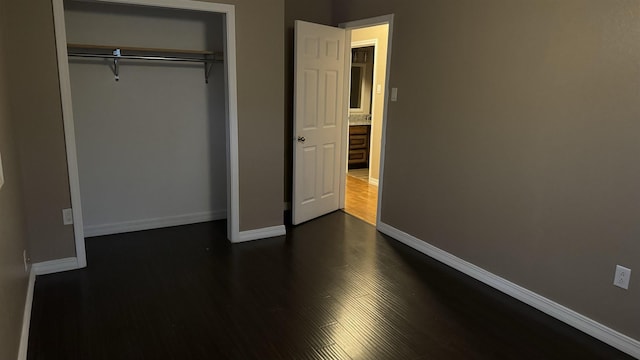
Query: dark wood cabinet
[(359, 146)]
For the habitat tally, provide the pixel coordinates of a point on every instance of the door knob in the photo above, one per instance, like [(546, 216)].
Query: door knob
[(301, 139)]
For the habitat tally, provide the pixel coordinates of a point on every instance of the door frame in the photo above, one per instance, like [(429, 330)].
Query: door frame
[(379, 20), (233, 194)]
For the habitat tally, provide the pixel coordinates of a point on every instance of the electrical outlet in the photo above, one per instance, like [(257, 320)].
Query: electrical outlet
[(622, 277), (24, 258), (67, 216)]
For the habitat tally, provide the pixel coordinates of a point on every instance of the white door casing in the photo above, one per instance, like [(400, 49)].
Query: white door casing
[(320, 62), (384, 19)]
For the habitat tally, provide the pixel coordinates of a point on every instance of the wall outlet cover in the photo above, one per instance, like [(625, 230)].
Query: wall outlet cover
[(622, 277), (67, 216)]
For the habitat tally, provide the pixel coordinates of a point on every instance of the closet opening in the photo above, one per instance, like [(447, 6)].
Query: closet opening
[(149, 106)]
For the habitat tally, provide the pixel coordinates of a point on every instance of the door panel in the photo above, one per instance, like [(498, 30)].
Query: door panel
[(309, 173), (320, 59), (328, 160), (310, 119), (331, 85)]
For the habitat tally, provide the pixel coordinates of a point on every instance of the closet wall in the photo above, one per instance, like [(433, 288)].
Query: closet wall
[(152, 146)]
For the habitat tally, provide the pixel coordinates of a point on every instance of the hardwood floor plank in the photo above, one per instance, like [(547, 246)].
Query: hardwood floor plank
[(361, 199), (333, 288), (333, 352)]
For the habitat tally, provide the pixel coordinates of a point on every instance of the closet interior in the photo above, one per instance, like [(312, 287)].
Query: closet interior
[(148, 93)]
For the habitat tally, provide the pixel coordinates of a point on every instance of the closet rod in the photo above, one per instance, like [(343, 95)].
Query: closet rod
[(141, 57), (117, 56)]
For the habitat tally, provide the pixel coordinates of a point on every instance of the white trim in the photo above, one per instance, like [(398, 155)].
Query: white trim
[(380, 20), (233, 187), (346, 84), (174, 4), (373, 181), (364, 43), (591, 327), (26, 317), (263, 233), (154, 223), (233, 172), (69, 130), (54, 266)]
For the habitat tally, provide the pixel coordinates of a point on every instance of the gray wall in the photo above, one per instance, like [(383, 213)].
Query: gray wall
[(513, 143), (260, 46), (151, 146), (35, 99), (260, 67), (13, 279)]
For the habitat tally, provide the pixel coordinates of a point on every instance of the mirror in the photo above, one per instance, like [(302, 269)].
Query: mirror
[(355, 97), (360, 94)]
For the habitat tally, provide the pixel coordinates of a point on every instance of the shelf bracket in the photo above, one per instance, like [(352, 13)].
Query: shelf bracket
[(116, 66), (208, 65)]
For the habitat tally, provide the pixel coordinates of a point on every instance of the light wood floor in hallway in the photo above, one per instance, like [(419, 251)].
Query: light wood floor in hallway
[(361, 197)]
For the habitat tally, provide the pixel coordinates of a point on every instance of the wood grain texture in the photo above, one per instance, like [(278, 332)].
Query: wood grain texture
[(361, 199), (333, 288)]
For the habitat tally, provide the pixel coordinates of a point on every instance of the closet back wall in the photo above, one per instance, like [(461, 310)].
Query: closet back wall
[(152, 146)]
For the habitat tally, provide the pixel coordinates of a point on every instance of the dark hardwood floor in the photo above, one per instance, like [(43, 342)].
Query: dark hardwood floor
[(333, 288)]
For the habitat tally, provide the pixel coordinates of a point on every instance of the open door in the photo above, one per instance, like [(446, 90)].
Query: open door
[(320, 62)]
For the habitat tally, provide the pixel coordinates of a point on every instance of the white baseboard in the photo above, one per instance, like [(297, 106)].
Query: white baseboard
[(373, 181), (263, 233), (54, 266), (591, 327), (26, 317), (155, 223)]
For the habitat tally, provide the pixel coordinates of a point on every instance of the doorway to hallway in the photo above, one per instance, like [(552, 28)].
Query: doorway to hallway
[(320, 160), (369, 45)]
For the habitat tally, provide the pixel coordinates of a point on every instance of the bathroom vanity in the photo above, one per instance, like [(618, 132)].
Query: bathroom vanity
[(359, 146)]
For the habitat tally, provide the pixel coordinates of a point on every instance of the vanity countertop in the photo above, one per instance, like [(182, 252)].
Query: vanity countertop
[(359, 119)]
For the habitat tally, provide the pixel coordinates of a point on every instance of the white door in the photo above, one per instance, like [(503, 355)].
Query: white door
[(320, 62)]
